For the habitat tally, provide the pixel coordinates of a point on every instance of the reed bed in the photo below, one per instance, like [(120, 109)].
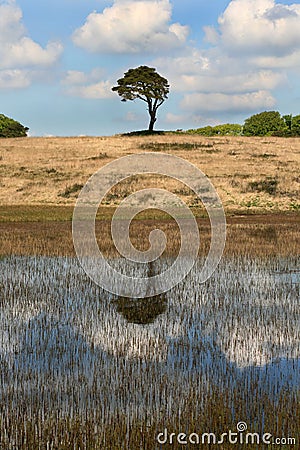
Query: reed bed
[(79, 372), (265, 235)]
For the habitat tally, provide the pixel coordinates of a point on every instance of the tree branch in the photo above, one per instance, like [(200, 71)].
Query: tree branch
[(141, 98)]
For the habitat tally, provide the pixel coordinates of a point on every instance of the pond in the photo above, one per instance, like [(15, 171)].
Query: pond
[(218, 352)]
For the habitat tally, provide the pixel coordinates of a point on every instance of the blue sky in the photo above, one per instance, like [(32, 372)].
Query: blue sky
[(225, 60)]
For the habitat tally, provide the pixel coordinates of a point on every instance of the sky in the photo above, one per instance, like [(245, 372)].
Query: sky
[(225, 60)]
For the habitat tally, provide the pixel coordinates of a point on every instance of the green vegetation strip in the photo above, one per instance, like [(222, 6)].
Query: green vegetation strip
[(42, 213), (35, 213), (62, 213)]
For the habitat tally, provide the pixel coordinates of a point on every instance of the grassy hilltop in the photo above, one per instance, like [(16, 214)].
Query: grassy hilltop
[(250, 174)]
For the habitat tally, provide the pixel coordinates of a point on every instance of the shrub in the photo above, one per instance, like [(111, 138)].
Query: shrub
[(264, 124), (295, 126), (168, 146), (226, 129), (292, 126), (10, 128), (71, 190), (288, 121), (268, 185)]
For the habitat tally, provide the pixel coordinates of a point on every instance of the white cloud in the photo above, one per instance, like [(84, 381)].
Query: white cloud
[(175, 118), (97, 90), (254, 46), (258, 28), (78, 77), (130, 26), (291, 61), (17, 50), (233, 83), (87, 85), (131, 117), (207, 73), (14, 79), (217, 102), (26, 53), (194, 61), (74, 77)]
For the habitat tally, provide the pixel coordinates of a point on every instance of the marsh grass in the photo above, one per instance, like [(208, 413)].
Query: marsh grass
[(79, 372), (264, 235)]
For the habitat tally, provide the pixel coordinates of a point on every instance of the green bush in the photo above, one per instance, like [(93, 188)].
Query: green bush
[(10, 128), (226, 129), (265, 123), (295, 126), (292, 126), (288, 121)]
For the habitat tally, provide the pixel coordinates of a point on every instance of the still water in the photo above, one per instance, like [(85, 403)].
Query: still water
[(68, 346)]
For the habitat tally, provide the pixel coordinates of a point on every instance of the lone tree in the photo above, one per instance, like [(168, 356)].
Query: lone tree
[(145, 84)]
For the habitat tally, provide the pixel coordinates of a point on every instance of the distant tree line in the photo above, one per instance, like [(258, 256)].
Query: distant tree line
[(226, 129), (267, 123), (10, 128)]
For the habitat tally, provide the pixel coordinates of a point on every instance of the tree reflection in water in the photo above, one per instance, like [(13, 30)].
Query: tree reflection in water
[(142, 311)]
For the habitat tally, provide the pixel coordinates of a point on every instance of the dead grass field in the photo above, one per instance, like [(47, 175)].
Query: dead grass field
[(252, 235), (255, 175)]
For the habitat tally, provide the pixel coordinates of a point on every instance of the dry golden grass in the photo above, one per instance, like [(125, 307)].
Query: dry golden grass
[(45, 171), (252, 235)]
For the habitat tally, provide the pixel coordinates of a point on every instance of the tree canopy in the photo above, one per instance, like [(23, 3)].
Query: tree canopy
[(264, 123), (145, 84), (10, 128)]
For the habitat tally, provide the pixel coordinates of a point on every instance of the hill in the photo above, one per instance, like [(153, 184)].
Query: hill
[(251, 174)]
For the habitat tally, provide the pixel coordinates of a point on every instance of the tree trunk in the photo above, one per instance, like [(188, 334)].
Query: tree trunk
[(152, 122)]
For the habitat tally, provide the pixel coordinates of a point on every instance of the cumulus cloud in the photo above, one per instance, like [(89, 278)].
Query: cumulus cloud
[(130, 26), (286, 62), (18, 50), (87, 85), (96, 90), (260, 28), (14, 79), (254, 46), (203, 72), (192, 62), (217, 102), (175, 119), (26, 52), (77, 77), (243, 82)]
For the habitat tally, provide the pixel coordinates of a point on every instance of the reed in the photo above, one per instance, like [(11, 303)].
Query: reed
[(78, 371)]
